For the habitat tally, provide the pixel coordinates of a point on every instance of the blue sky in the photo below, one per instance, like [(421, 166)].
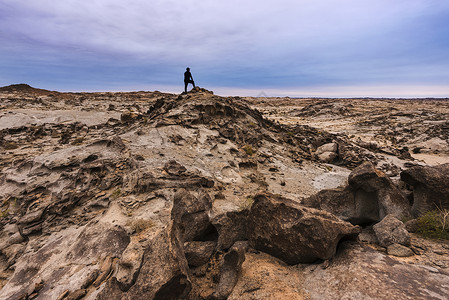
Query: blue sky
[(346, 48)]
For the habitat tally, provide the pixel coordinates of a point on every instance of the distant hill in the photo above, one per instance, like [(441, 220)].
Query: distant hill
[(25, 88)]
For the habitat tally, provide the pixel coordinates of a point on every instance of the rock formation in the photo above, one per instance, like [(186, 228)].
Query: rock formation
[(369, 197), (430, 187), (149, 195)]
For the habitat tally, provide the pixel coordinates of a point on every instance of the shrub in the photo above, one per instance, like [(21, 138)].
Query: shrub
[(246, 203), (434, 224), (248, 149), (10, 146), (139, 225), (78, 141), (117, 193)]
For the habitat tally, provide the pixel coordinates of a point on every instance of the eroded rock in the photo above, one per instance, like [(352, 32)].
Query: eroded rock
[(163, 274), (198, 252), (230, 268), (292, 232), (369, 197), (391, 231), (190, 213), (430, 187)]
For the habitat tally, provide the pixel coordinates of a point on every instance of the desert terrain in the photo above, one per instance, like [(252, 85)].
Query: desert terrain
[(151, 195)]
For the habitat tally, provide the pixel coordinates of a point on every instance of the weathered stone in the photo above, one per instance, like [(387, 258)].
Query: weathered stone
[(174, 168), (16, 238), (191, 214), (327, 152), (390, 231), (370, 274), (292, 232), (76, 295), (230, 267), (70, 254), (31, 217), (104, 271), (399, 250), (162, 275), (31, 229), (430, 187), (144, 181), (368, 198), (198, 253), (128, 117), (129, 265), (231, 228), (330, 147), (90, 279), (368, 178), (340, 202)]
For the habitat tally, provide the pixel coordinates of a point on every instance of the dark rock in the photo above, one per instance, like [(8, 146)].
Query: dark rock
[(292, 232), (128, 117), (390, 231), (230, 267), (174, 168), (31, 217), (231, 228), (430, 187), (340, 202), (78, 294), (367, 178), (191, 214), (198, 253)]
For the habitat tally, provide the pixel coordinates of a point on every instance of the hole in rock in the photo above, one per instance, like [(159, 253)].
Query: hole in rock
[(90, 158), (176, 288), (210, 234)]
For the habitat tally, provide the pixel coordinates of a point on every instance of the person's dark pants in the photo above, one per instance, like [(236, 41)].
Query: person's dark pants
[(186, 83)]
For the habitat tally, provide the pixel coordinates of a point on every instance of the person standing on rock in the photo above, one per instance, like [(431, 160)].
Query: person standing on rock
[(188, 79)]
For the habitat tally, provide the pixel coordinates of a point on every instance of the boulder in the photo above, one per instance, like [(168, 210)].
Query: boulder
[(412, 225), (230, 268), (198, 253), (399, 250), (292, 232), (327, 152), (369, 197), (129, 265), (368, 178), (391, 231), (65, 261), (231, 228), (373, 190), (339, 201), (174, 168), (191, 214), (430, 187), (163, 273)]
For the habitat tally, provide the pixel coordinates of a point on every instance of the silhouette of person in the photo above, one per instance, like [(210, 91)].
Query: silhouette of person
[(188, 79)]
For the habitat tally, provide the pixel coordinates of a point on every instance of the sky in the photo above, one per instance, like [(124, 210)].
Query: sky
[(296, 48)]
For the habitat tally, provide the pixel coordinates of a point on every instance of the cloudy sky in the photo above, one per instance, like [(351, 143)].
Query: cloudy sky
[(296, 48)]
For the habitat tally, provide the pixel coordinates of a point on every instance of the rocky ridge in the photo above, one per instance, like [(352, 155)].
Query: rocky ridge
[(161, 196)]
